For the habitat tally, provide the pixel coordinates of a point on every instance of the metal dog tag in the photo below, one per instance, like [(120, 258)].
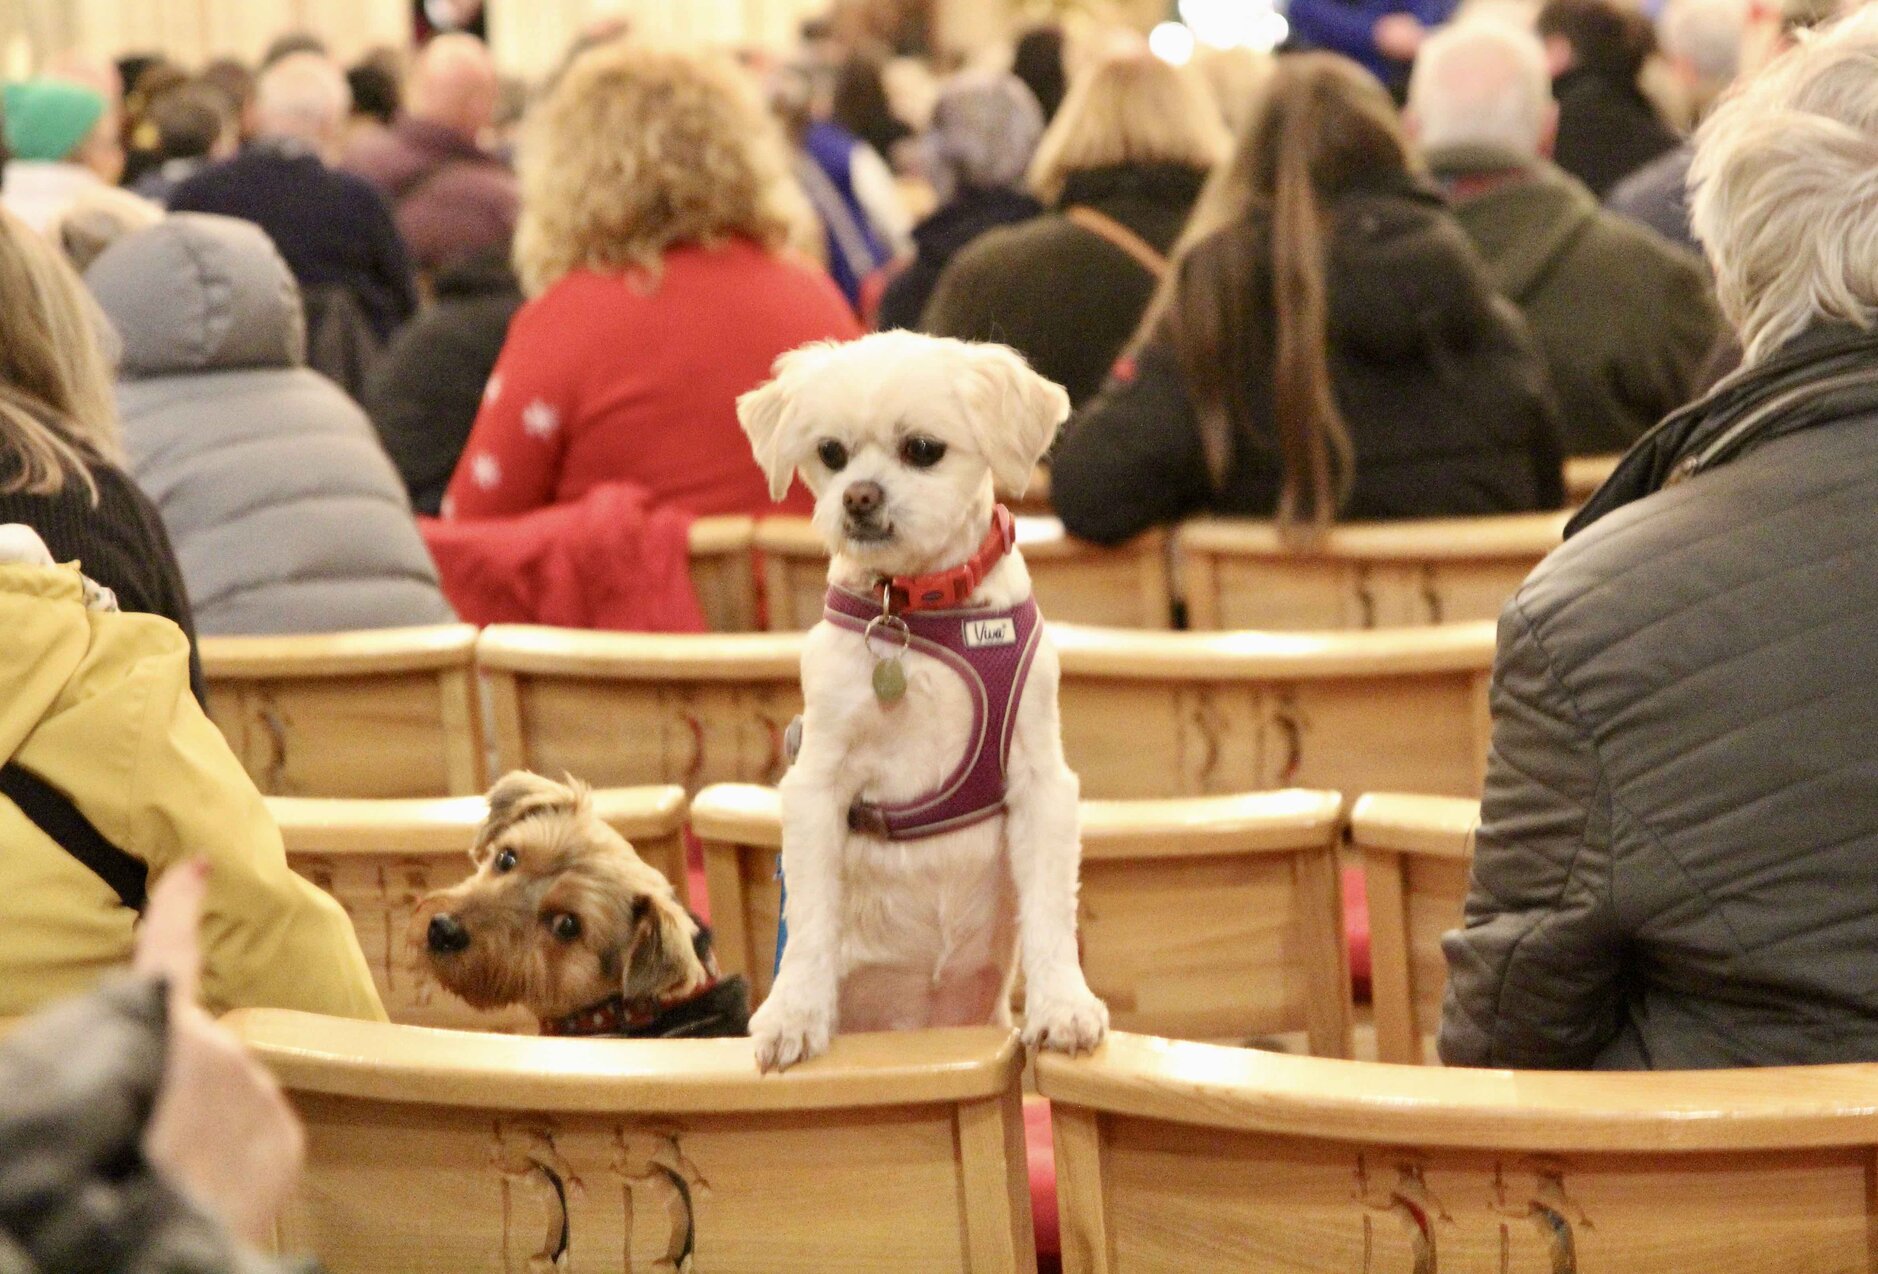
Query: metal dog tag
[(889, 680), (889, 676)]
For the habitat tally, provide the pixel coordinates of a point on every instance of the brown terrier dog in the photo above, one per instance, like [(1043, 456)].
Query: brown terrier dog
[(564, 918)]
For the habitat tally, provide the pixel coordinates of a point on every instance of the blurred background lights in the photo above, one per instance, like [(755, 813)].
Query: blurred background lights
[(1172, 42), (1220, 24)]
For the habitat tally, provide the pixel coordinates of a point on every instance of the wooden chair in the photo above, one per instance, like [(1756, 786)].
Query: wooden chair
[(437, 1152), (1125, 587), (1241, 574), (1190, 714), (385, 713), (379, 859), (723, 572), (1178, 1157), (1210, 918), (1416, 851), (633, 708), (1585, 474)]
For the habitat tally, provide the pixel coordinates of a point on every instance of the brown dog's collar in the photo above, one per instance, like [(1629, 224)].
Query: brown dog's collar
[(616, 1014)]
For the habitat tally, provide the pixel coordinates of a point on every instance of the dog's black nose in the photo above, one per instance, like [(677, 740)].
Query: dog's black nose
[(863, 499), (447, 934)]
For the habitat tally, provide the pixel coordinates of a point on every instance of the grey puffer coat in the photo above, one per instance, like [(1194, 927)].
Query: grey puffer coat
[(1677, 862), (285, 513)]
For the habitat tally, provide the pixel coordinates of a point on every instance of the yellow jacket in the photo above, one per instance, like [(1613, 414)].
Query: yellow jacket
[(98, 705)]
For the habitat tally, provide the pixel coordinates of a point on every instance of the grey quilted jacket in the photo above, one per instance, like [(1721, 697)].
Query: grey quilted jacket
[(286, 514), (1677, 862)]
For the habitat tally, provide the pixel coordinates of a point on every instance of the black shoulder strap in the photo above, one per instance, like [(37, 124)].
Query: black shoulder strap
[(59, 818)]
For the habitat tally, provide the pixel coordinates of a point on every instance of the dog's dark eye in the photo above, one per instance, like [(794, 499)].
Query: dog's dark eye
[(566, 926), (505, 861), (833, 455), (922, 453)]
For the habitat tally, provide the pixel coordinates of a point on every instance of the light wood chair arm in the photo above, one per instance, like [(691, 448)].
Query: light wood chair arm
[(714, 536), (1255, 656), (336, 827), (732, 657), (738, 814), (310, 1053), (1774, 1109), (1585, 474), (366, 652), (790, 537), (1438, 826), (1413, 539)]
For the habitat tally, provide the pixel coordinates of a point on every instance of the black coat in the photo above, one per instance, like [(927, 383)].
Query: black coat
[(1061, 296), (1606, 129), (1442, 389), (424, 392), (1674, 867), (941, 237)]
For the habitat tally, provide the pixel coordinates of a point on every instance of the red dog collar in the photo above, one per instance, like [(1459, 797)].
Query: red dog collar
[(944, 590), (617, 1015)]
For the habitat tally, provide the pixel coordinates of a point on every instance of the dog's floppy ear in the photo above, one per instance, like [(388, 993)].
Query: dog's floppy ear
[(520, 794), (664, 959), (760, 412), (1015, 413)]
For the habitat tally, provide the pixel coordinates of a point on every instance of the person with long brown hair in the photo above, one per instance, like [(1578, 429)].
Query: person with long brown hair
[(1327, 345), (60, 455)]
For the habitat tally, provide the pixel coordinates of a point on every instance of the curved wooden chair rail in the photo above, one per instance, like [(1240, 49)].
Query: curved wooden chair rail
[(385, 713), (723, 572), (1075, 581), (1211, 917), (1416, 851), (437, 1152), (380, 858), (1585, 474), (1242, 574), (1383, 710), (1179, 1156)]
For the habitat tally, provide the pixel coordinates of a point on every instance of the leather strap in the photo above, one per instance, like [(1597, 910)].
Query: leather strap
[(61, 820), (944, 590), (1105, 227)]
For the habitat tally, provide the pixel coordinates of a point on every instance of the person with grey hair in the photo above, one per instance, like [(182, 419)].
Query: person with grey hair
[(1625, 320), (1703, 40), (333, 227), (985, 128), (1673, 867)]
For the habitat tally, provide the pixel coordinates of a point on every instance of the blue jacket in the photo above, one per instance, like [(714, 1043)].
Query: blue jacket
[(1345, 26)]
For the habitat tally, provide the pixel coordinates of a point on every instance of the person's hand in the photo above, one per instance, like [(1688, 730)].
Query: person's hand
[(1399, 36), (222, 1130)]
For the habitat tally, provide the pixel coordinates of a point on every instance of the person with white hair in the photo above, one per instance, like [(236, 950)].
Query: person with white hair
[(453, 198), (1673, 867), (1624, 319), (333, 227), (1705, 42)]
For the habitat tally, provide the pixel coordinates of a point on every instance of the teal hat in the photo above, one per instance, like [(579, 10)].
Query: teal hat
[(48, 119)]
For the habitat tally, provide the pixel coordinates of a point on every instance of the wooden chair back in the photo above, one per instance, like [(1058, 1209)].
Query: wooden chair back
[(1190, 714), (1177, 1157), (1585, 474), (1416, 851), (387, 713), (1075, 581), (380, 858), (1209, 918), (625, 709), (723, 572), (1241, 574), (436, 1152)]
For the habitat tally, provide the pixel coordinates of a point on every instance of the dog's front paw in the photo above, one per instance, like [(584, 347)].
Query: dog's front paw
[(1074, 1022), (786, 1033)]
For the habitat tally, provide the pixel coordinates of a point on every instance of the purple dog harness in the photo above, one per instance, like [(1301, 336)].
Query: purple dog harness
[(991, 651)]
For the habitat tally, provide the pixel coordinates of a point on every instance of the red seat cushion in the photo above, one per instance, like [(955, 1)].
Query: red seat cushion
[(1356, 929), (1042, 1163)]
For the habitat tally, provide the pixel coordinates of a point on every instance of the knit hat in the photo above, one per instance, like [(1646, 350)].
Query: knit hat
[(48, 119), (984, 130)]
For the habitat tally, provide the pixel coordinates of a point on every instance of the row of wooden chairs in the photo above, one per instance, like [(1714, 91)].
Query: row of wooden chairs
[(1228, 573), (399, 713), (1213, 918), (438, 1152)]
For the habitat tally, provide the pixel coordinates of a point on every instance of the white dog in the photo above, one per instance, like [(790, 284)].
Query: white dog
[(915, 870)]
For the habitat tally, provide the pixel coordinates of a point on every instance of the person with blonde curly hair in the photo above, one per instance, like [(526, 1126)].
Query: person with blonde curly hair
[(653, 247)]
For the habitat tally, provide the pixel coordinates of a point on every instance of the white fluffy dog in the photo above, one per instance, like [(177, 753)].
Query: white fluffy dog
[(907, 898)]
